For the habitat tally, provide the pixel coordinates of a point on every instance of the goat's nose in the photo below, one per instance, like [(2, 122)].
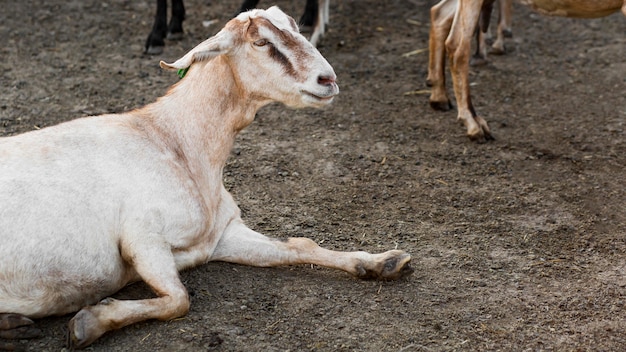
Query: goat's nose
[(326, 80)]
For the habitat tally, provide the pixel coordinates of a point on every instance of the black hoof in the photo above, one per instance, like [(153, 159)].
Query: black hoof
[(154, 50), (441, 105), (175, 36), (477, 61)]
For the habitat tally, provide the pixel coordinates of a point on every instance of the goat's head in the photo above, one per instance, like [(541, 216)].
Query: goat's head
[(271, 59)]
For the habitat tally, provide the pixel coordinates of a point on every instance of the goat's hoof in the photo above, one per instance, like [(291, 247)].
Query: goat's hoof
[(441, 105), (175, 36), (480, 136), (478, 130), (477, 61), (496, 50), (12, 321), (83, 329), (17, 326), (393, 267), (154, 50), (397, 267)]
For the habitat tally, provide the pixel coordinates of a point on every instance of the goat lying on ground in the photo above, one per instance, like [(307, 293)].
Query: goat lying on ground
[(93, 204), (452, 24), (315, 16)]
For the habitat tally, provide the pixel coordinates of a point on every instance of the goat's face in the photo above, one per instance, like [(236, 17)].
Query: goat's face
[(270, 58), (283, 60)]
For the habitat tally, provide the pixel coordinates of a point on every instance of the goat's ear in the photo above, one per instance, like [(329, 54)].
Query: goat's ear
[(219, 44)]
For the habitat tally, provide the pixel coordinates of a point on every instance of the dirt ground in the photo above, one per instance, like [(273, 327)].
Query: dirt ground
[(518, 244)]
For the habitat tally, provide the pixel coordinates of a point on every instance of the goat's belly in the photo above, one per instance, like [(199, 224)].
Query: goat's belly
[(575, 8)]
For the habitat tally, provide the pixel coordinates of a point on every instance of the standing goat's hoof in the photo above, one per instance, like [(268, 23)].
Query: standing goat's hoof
[(154, 50), (441, 105), (175, 35), (480, 135)]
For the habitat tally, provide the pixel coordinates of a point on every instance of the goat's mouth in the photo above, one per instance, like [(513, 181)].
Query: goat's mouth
[(326, 98)]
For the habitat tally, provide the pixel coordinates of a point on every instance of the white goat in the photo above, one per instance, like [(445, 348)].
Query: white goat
[(91, 205)]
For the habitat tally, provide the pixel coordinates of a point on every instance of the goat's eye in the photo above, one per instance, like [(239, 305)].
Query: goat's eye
[(261, 42)]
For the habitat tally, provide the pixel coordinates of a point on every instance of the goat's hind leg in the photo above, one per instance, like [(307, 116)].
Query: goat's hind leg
[(155, 41), (482, 30), (458, 46), (16, 326), (175, 28), (152, 259), (504, 27), (441, 16), (241, 245)]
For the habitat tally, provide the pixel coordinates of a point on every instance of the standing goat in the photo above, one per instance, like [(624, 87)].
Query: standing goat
[(452, 24), (91, 205), (315, 16)]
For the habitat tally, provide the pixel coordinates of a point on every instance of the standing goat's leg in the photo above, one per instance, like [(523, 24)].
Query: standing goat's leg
[(441, 16), (504, 26), (156, 38), (247, 5), (482, 31), (309, 17), (152, 259), (458, 46), (321, 22), (175, 29), (241, 245)]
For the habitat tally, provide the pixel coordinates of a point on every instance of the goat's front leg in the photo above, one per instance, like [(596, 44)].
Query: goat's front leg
[(458, 46), (441, 16), (241, 245), (175, 28), (319, 28), (152, 259), (155, 41), (504, 26)]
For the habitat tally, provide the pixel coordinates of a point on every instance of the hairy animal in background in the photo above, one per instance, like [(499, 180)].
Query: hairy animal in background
[(91, 205), (315, 16), (453, 23), (161, 30)]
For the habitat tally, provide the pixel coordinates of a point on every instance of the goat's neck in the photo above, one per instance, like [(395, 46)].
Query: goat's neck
[(201, 115)]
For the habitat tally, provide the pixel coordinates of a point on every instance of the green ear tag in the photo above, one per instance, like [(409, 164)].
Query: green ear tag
[(182, 72)]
